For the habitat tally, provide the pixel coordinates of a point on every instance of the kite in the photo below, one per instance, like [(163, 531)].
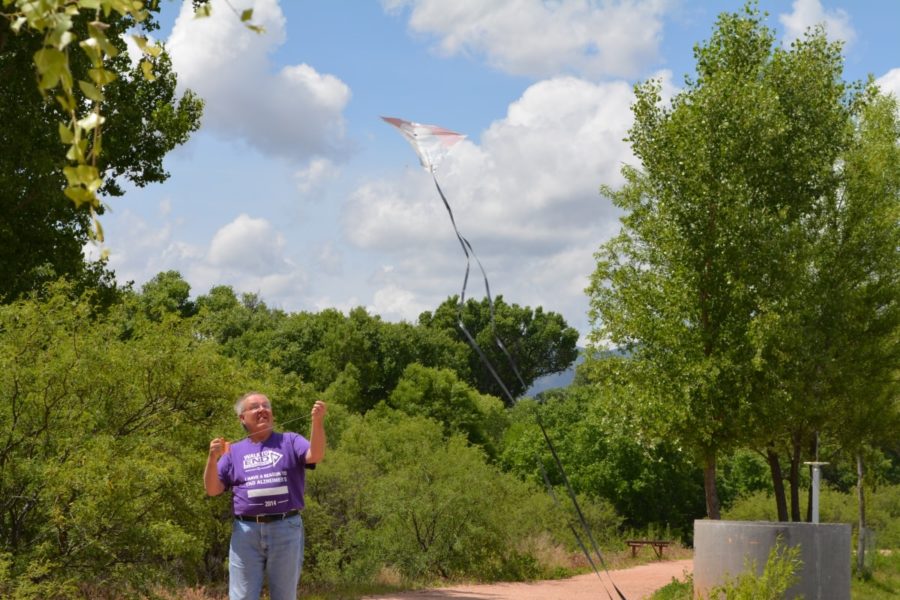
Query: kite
[(432, 144)]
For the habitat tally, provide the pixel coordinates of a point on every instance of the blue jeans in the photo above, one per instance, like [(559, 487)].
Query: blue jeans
[(271, 550)]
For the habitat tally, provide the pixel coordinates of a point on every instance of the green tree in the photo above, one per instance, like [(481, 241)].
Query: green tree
[(361, 355), (399, 494), (167, 293), (41, 231), (98, 466), (708, 276), (540, 343), (606, 457), (440, 395)]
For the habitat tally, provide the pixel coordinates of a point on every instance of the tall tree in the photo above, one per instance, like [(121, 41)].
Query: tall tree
[(41, 231), (539, 342), (708, 275)]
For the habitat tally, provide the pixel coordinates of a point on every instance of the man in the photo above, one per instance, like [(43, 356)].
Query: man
[(266, 474)]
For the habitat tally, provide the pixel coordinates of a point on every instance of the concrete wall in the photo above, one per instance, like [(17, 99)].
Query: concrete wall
[(722, 549)]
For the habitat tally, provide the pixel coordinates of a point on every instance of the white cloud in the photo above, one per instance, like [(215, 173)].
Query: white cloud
[(330, 259), (526, 197), (293, 112), (808, 13), (248, 254), (529, 37), (890, 82), (246, 244), (316, 174), (395, 304)]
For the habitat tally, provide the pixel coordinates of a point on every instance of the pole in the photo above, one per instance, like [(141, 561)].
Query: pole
[(816, 478)]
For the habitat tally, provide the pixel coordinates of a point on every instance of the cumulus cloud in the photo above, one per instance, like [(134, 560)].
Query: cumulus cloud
[(541, 39), (293, 112), (890, 82), (395, 304), (526, 197), (316, 174), (809, 13), (248, 254)]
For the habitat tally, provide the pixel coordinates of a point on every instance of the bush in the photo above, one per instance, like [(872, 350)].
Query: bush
[(779, 574), (398, 494)]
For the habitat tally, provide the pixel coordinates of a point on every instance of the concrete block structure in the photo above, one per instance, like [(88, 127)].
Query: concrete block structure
[(722, 550)]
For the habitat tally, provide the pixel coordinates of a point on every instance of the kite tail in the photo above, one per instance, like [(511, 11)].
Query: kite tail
[(470, 254)]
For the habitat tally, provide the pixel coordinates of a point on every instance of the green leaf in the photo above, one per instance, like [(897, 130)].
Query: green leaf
[(50, 63), (91, 121), (247, 15), (204, 10), (102, 76), (66, 135), (79, 196), (91, 91), (147, 68), (66, 102)]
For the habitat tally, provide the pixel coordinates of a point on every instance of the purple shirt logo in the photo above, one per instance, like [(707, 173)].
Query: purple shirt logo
[(262, 460)]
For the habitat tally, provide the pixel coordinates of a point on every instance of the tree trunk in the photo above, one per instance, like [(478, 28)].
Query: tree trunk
[(777, 484), (709, 486), (795, 481), (861, 537)]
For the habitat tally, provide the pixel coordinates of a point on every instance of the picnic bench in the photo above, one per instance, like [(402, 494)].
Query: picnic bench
[(657, 546)]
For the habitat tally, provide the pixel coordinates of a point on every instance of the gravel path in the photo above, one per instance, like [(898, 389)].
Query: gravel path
[(635, 583)]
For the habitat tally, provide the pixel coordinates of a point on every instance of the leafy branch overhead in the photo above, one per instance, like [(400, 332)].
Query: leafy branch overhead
[(85, 26)]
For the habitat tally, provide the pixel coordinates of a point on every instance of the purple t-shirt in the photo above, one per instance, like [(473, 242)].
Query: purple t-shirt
[(266, 477)]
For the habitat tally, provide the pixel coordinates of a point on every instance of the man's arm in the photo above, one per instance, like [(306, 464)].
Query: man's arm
[(211, 481), (317, 433)]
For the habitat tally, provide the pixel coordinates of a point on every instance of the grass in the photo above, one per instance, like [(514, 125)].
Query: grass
[(884, 581)]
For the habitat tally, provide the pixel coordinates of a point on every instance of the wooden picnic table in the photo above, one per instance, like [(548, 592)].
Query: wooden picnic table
[(657, 546)]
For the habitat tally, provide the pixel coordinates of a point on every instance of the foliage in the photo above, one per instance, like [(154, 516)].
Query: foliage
[(883, 583), (397, 493), (647, 480), (677, 590), (439, 394), (98, 466), (779, 574), (357, 359), (540, 343), (96, 28), (757, 262), (42, 233), (166, 294)]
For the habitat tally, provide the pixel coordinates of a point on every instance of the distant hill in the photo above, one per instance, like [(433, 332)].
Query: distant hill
[(563, 378), (556, 380)]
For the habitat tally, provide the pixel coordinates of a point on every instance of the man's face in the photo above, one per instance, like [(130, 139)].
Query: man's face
[(256, 413)]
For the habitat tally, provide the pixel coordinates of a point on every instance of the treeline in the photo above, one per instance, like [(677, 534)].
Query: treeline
[(110, 406), (110, 401)]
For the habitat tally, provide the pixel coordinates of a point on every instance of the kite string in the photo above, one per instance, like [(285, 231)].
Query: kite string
[(301, 418), (469, 251), (572, 527)]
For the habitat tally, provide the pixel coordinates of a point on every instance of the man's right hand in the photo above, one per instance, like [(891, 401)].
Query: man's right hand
[(217, 447)]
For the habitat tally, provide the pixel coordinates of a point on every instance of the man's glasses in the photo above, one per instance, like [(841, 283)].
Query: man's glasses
[(257, 407)]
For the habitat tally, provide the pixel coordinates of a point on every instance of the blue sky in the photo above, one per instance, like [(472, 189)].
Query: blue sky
[(294, 188)]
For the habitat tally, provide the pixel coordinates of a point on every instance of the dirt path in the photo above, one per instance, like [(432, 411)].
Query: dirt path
[(635, 583)]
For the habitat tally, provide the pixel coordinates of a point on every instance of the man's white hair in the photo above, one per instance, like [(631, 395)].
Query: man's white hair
[(239, 405)]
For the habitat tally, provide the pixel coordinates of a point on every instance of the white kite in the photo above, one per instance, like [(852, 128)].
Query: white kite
[(430, 142)]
